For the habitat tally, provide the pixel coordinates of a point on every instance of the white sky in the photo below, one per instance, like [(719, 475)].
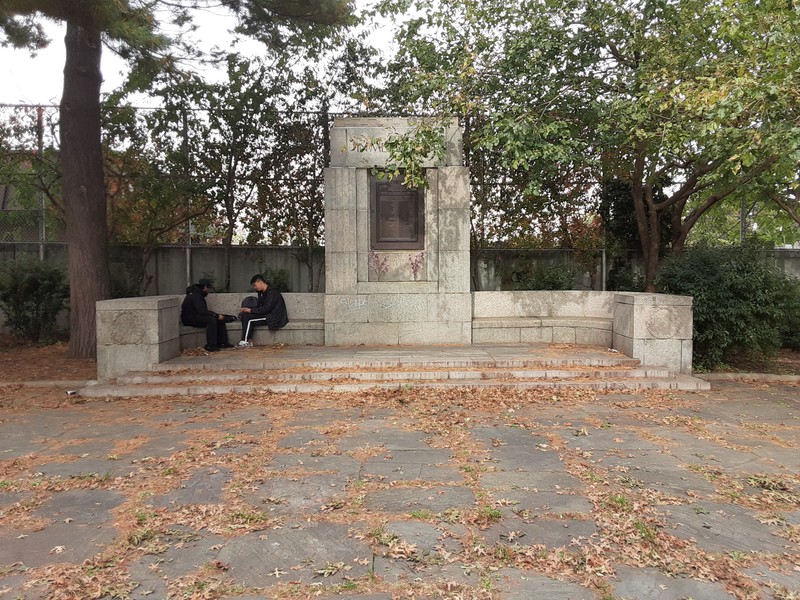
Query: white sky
[(39, 79), (27, 79)]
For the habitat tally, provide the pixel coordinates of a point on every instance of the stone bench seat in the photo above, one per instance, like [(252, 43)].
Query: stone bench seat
[(306, 325), (593, 322), (296, 332), (593, 331)]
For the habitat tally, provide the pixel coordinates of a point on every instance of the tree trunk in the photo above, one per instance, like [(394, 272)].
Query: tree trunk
[(310, 258), (646, 220), (84, 191), (654, 241), (227, 243)]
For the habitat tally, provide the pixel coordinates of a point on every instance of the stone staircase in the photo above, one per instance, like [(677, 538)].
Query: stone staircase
[(316, 369)]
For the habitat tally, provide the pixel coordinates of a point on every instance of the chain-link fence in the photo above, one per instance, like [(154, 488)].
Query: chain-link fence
[(28, 147)]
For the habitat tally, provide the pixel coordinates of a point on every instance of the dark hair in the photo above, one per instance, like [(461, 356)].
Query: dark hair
[(258, 277)]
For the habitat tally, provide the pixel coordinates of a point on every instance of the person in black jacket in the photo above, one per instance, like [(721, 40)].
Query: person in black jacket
[(270, 310), (195, 313)]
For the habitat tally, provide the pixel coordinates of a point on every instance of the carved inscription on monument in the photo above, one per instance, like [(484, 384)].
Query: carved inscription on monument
[(397, 215)]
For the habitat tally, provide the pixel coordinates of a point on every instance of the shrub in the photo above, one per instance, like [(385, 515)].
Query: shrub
[(32, 293), (550, 277), (790, 324), (741, 299), (278, 278), (623, 278)]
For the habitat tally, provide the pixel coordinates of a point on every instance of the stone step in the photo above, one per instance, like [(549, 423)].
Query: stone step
[(230, 362), (677, 382), (387, 376), (346, 369)]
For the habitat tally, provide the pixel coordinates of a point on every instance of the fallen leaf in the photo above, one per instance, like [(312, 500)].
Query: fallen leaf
[(277, 573)]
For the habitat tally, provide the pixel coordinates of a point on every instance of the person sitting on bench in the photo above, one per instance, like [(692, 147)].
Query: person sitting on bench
[(270, 310), (195, 313)]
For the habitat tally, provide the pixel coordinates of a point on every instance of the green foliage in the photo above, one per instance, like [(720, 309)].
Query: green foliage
[(557, 276), (722, 225), (742, 301), (700, 94), (409, 151), (622, 277), (278, 278), (789, 297), (290, 214), (32, 293), (30, 174)]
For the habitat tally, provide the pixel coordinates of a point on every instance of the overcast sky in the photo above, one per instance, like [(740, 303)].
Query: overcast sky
[(39, 79)]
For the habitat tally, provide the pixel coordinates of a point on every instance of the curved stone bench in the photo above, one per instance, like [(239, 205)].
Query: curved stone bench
[(656, 329), (297, 332)]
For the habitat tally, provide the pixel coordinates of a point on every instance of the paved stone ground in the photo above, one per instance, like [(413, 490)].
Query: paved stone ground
[(421, 494)]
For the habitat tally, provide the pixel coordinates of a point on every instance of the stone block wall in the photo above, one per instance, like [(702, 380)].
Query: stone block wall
[(133, 333), (655, 328), (566, 317), (599, 305)]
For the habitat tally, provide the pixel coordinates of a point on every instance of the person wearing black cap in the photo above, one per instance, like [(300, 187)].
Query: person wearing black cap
[(195, 313)]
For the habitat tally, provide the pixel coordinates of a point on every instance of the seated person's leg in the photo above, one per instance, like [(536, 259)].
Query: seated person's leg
[(248, 323), (222, 334), (209, 324), (211, 332)]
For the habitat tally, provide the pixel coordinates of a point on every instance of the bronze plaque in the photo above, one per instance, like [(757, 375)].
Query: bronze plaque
[(397, 215)]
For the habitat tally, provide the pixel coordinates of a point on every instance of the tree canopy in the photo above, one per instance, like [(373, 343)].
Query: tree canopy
[(697, 98)]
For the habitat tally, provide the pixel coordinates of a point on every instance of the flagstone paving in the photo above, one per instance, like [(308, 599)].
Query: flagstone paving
[(406, 494)]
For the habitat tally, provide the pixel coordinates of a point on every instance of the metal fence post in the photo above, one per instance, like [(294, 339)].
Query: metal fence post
[(40, 150), (185, 150)]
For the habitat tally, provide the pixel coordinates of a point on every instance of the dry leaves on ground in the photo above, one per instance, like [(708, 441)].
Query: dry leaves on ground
[(30, 362)]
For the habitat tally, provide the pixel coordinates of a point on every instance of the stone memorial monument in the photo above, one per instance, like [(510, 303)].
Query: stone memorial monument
[(396, 259)]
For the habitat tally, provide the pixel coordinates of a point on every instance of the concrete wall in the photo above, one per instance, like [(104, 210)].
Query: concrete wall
[(492, 269), (789, 261), (168, 267), (593, 305)]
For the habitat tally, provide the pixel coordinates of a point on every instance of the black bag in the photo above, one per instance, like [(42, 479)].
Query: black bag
[(229, 318), (249, 302)]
